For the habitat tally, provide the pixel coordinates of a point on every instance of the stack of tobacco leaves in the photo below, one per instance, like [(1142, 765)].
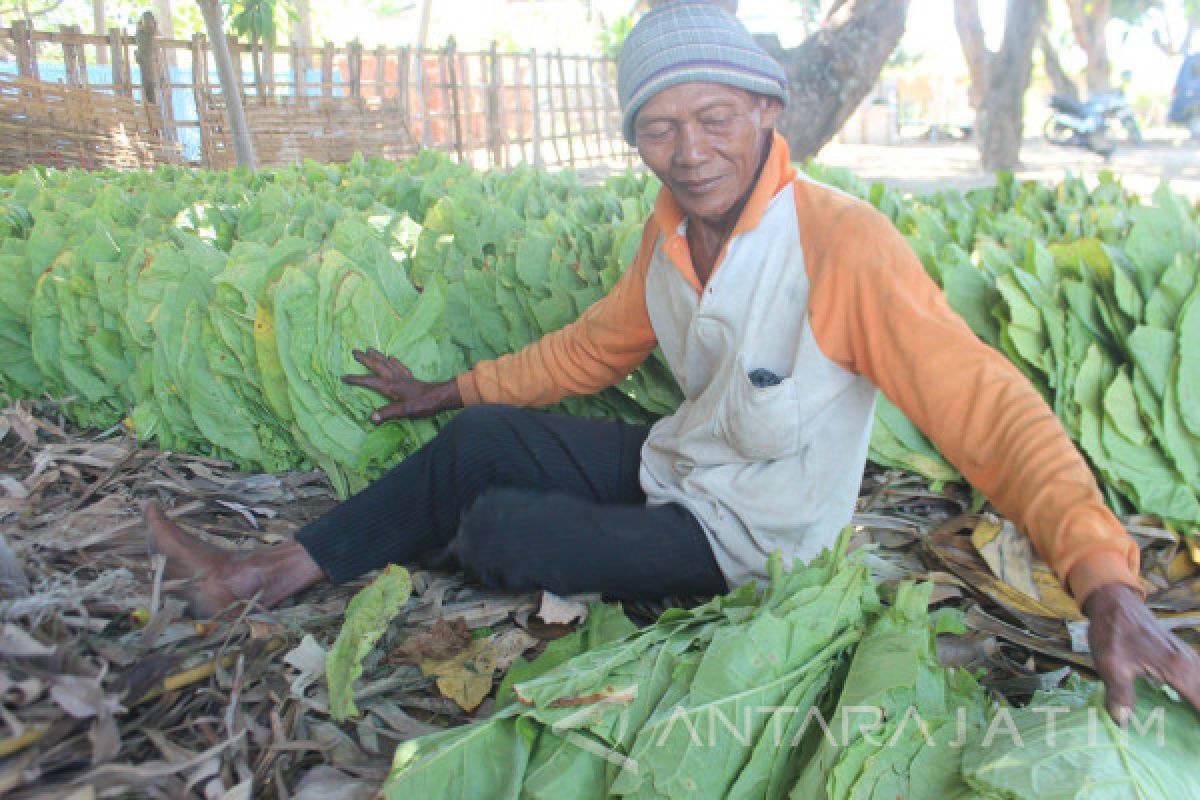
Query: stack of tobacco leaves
[(814, 688)]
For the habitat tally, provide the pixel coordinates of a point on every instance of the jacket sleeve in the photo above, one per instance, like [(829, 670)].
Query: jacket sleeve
[(609, 341), (876, 312)]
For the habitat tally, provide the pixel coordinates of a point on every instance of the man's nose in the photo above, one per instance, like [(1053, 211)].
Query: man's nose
[(691, 146)]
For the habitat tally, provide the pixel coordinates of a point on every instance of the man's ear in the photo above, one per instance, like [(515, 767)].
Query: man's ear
[(768, 110)]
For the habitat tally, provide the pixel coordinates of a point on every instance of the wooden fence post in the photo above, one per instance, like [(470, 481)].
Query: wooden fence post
[(567, 113), (610, 110), (199, 65), (422, 97), (402, 86), (120, 63), (597, 128), (255, 50), (299, 65), (466, 104), (268, 67), (380, 71), (495, 129), (354, 67), (26, 49), (518, 87), (200, 94), (147, 56), (580, 111), (450, 85), (535, 110), (74, 64), (327, 69)]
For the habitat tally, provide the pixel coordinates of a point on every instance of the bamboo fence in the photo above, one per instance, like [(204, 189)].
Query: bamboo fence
[(67, 126), (489, 108)]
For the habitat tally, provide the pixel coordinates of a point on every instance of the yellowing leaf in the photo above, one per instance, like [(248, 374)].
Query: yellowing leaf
[(1008, 553), (467, 677), (1181, 567), (367, 617)]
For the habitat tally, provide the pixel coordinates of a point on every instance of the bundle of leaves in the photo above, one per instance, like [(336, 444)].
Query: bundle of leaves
[(811, 689)]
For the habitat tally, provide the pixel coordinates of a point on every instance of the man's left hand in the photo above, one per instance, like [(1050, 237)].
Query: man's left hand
[(1127, 641)]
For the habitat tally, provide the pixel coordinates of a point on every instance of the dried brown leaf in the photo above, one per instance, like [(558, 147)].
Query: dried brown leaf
[(445, 639)]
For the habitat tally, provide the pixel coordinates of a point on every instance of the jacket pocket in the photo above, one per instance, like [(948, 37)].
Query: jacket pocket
[(759, 423)]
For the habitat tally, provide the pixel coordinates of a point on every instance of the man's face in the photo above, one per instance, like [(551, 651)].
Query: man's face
[(704, 142)]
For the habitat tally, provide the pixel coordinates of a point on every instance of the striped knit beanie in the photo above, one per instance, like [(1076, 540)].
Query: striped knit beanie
[(691, 40)]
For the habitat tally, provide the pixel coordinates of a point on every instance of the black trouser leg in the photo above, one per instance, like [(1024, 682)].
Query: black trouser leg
[(554, 503), (520, 539)]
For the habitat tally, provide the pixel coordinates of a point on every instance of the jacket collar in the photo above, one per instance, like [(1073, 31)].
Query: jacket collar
[(777, 173)]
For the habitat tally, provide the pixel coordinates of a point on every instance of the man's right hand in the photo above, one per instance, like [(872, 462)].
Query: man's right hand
[(411, 398)]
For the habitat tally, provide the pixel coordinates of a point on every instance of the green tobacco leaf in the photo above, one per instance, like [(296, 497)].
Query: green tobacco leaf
[(898, 443), (898, 707), (1158, 234), (485, 759), (605, 623), (1153, 351), (1064, 745), (970, 294), (1166, 300), (1121, 409), (1128, 297), (1082, 255), (1180, 444), (367, 617), (1187, 383)]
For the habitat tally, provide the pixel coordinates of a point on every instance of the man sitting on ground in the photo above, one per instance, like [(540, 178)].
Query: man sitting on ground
[(781, 306)]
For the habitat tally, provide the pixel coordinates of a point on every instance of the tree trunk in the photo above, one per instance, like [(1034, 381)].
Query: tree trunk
[(100, 18), (834, 69), (166, 27), (1002, 114), (423, 24), (1003, 76), (1089, 19), (242, 145), (166, 18), (974, 47), (304, 26), (1062, 83)]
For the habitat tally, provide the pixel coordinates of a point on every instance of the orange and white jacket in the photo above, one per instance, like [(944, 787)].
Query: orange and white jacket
[(819, 288)]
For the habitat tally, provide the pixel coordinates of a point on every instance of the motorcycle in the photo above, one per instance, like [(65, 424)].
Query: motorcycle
[(1086, 123)]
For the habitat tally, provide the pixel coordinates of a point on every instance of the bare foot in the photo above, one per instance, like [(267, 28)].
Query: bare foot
[(220, 577), (214, 572)]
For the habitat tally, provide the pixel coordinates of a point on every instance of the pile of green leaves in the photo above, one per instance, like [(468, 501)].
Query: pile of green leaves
[(215, 312), (622, 717), (813, 689)]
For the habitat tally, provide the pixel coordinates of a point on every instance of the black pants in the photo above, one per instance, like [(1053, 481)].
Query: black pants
[(522, 499)]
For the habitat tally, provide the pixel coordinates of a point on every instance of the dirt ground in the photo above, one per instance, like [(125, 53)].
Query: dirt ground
[(955, 165), (109, 688)]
